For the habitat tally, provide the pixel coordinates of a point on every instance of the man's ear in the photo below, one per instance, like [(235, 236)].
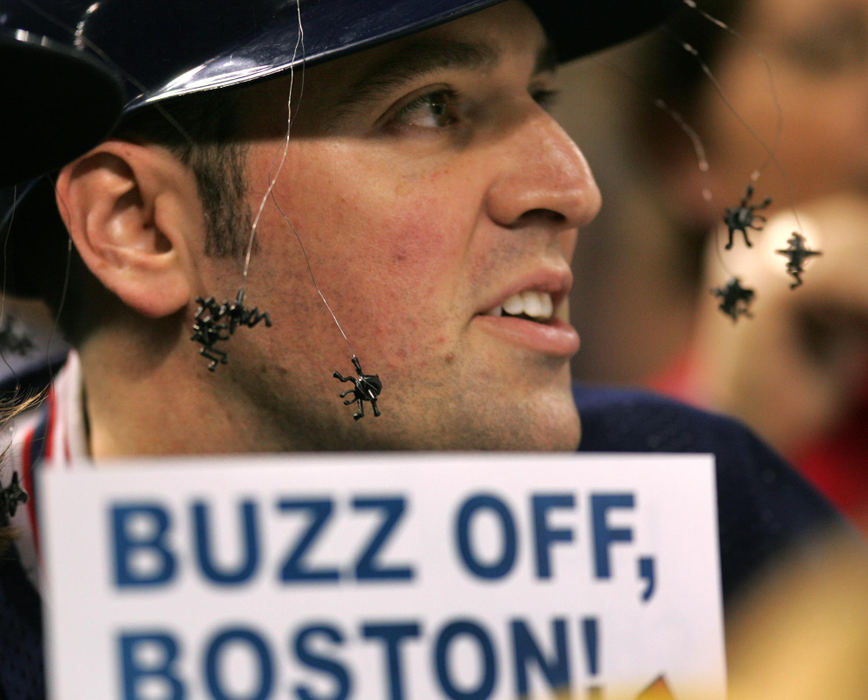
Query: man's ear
[(134, 215)]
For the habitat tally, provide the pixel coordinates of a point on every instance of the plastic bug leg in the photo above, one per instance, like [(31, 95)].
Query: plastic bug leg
[(216, 356)]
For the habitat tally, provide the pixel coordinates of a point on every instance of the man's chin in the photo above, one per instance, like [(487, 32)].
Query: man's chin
[(555, 424), (541, 428), (548, 426), (511, 415), (562, 436), (544, 420)]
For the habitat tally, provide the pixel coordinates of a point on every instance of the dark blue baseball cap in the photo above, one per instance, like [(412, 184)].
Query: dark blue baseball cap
[(170, 48), (58, 102)]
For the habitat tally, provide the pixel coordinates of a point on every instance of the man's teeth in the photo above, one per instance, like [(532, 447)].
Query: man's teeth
[(530, 303)]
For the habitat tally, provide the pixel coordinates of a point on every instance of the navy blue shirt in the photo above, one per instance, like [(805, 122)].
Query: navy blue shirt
[(765, 509)]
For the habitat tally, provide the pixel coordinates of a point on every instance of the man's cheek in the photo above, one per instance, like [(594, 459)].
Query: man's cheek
[(426, 241)]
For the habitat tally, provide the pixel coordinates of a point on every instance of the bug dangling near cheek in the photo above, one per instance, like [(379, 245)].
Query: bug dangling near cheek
[(366, 387), (216, 323)]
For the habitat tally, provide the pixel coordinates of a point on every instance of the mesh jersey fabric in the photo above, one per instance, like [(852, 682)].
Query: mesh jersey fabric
[(21, 672), (765, 509)]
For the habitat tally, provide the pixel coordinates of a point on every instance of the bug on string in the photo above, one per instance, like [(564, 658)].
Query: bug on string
[(366, 387), (797, 254), (744, 217), (215, 322), (735, 300)]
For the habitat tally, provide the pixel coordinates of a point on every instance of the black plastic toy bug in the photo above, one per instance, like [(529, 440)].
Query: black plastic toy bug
[(366, 387), (11, 340), (797, 254), (734, 299), (11, 497), (218, 322), (743, 217)]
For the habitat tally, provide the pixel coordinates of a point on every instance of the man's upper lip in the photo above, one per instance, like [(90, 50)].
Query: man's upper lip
[(556, 281)]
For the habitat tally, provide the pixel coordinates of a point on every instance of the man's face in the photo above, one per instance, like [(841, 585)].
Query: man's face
[(429, 188)]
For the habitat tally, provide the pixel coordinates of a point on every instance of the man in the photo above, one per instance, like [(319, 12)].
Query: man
[(438, 200), (428, 186), (419, 217)]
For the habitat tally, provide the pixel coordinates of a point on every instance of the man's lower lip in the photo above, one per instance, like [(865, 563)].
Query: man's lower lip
[(554, 337)]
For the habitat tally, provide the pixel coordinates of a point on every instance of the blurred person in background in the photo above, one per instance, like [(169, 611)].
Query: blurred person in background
[(802, 633), (786, 110)]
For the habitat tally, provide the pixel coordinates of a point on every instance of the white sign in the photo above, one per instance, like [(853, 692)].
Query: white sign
[(384, 577)]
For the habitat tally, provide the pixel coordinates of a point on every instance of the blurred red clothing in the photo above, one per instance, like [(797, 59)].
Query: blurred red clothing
[(835, 463)]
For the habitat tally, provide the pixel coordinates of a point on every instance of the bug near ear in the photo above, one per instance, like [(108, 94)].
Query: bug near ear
[(216, 323)]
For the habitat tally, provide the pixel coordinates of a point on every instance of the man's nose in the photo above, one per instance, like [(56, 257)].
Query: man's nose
[(543, 177)]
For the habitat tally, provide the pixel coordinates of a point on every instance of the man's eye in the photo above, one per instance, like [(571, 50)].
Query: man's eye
[(433, 110)]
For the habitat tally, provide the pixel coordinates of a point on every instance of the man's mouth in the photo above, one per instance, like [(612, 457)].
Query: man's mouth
[(535, 314), (530, 304), (528, 319)]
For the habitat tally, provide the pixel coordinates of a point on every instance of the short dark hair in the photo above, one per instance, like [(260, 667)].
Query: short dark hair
[(203, 131)]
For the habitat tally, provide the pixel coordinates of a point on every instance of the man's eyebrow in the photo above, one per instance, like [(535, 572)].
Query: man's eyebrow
[(422, 56), (417, 58)]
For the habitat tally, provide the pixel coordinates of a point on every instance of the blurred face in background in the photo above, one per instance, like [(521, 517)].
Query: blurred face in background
[(818, 53), (799, 367)]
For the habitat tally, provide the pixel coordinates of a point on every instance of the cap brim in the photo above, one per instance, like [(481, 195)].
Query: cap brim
[(175, 48)]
